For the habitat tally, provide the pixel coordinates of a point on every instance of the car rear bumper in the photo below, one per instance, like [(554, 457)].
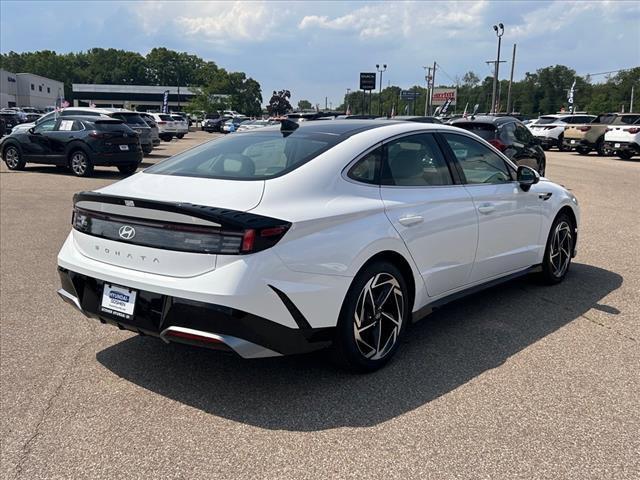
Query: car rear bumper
[(577, 142), (175, 319), (614, 146)]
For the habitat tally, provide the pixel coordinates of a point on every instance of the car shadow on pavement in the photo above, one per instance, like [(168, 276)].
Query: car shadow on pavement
[(306, 393)]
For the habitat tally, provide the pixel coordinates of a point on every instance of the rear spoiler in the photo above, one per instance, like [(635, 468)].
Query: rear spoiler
[(233, 219)]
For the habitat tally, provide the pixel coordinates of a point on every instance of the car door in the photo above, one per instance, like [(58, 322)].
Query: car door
[(509, 219), (38, 148), (64, 132), (435, 217)]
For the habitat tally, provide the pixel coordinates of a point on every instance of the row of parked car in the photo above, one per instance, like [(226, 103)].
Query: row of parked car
[(79, 138), (608, 133)]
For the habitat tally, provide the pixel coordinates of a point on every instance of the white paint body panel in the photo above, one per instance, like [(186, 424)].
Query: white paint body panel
[(337, 226)]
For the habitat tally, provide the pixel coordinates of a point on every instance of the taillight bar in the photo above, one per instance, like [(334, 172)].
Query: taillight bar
[(228, 232)]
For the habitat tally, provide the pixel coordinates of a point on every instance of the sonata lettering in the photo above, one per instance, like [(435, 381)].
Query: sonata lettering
[(117, 253)]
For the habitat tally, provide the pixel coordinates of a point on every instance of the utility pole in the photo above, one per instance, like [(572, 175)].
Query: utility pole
[(433, 87), (380, 71), (427, 77), (513, 63), (499, 29)]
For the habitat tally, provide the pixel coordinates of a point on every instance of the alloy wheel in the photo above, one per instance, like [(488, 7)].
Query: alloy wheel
[(378, 316), (560, 249), (12, 157), (79, 163)]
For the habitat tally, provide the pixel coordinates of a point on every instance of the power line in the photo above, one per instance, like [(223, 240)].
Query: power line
[(447, 75), (605, 73)]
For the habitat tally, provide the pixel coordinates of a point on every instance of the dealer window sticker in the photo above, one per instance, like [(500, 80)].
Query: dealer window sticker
[(66, 125)]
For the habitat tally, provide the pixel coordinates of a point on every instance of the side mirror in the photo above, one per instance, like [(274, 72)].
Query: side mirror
[(32, 131), (526, 177)]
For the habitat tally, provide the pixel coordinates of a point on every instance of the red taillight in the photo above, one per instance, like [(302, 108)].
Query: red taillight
[(498, 144), (248, 240), (634, 130), (162, 122), (96, 134), (585, 128), (254, 240)]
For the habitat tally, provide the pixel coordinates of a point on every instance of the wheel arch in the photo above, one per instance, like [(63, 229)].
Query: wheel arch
[(566, 209), (399, 261), (11, 143)]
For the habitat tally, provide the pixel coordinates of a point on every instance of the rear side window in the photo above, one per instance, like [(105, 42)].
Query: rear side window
[(479, 164), (483, 130), (366, 169), (166, 118), (415, 161), (111, 126), (250, 156), (547, 120)]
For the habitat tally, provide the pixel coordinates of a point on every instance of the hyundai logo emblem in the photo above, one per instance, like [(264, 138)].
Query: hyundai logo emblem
[(127, 232)]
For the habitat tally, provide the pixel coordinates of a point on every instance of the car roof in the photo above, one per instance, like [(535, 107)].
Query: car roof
[(91, 118), (485, 119)]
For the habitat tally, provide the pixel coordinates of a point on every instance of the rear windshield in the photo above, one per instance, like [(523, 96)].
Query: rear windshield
[(248, 156), (606, 119), (111, 126), (483, 130), (166, 118), (130, 118), (546, 120), (629, 119)]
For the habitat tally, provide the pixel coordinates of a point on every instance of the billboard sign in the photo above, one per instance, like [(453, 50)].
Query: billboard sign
[(409, 95), (367, 80), (441, 95)]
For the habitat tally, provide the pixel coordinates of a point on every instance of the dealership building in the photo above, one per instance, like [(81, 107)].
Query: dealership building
[(28, 90), (134, 97)]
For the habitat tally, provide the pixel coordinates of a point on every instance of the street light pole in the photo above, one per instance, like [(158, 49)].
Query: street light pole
[(380, 71), (499, 29)]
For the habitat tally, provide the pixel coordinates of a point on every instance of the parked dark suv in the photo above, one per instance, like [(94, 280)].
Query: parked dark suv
[(510, 136), (10, 120), (75, 142)]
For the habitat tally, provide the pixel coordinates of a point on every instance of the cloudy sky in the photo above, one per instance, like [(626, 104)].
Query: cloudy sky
[(316, 49)]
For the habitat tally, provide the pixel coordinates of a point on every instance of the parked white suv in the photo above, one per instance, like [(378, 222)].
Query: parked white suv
[(166, 126), (623, 140), (549, 129), (181, 123)]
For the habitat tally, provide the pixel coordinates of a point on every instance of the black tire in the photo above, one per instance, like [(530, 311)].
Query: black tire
[(12, 157), (545, 147), (80, 164), (583, 150), (624, 155), (600, 147), (561, 147), (166, 138), (385, 282), (180, 135), (146, 150), (559, 250), (128, 169)]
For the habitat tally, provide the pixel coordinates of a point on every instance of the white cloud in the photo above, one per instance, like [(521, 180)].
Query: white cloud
[(219, 22)]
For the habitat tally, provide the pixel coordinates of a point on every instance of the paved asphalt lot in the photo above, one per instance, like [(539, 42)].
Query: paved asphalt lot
[(520, 381)]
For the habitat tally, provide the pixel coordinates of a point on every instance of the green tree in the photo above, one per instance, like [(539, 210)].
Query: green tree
[(279, 103), (304, 105)]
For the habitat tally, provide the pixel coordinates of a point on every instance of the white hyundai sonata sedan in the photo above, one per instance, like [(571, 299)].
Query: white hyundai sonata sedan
[(331, 234)]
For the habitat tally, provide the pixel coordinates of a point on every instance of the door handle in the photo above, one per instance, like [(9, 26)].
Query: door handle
[(486, 208), (545, 196), (411, 220)]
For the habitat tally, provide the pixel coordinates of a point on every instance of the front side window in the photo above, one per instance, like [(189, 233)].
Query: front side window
[(248, 156), (45, 126), (415, 161), (366, 169), (479, 163)]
